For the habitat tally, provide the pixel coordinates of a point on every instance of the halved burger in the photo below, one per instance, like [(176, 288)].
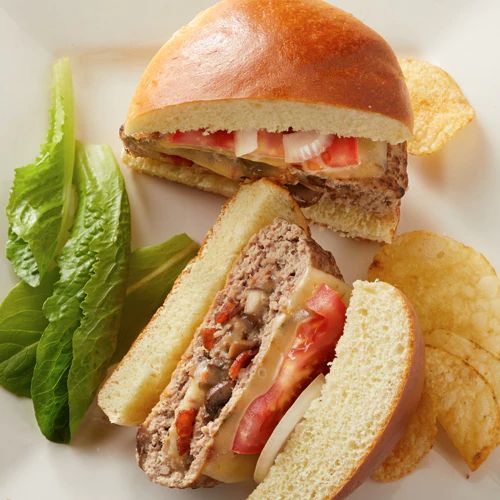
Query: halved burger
[(277, 371), (296, 91)]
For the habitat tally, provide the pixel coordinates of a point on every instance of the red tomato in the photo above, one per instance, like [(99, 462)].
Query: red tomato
[(220, 139), (270, 144), (311, 351), (327, 303), (184, 425), (342, 151)]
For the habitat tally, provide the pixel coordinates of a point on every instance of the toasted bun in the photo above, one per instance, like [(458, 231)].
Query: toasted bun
[(348, 221), (136, 384), (373, 388), (277, 64)]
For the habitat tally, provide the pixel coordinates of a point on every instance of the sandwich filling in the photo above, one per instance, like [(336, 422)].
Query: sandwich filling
[(308, 163), (271, 330)]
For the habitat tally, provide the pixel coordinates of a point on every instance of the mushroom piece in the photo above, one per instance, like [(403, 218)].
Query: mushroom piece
[(238, 346), (217, 397)]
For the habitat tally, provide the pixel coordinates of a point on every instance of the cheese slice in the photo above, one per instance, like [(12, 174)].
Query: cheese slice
[(224, 465), (372, 162)]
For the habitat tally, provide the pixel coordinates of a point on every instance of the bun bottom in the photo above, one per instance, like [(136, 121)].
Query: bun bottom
[(348, 221)]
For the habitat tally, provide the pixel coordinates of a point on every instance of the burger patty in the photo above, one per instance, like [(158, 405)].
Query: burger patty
[(378, 195), (240, 320)]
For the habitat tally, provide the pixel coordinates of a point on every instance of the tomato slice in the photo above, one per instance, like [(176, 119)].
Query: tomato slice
[(184, 425), (220, 139), (342, 152), (327, 303), (312, 349), (270, 144)]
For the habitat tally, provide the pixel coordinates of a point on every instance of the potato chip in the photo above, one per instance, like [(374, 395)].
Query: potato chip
[(451, 286), (465, 404), (440, 109), (480, 359), (416, 442)]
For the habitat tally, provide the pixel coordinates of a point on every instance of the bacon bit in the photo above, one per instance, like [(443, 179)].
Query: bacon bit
[(184, 425), (207, 334), (226, 313), (241, 361)]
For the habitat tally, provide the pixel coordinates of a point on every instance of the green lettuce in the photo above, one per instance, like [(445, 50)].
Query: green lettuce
[(39, 204), (84, 309), (152, 273), (22, 323)]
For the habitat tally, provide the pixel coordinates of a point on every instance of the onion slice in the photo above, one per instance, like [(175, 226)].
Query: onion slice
[(245, 142), (285, 426), (303, 146)]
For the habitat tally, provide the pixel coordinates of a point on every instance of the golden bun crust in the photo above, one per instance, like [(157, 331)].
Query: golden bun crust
[(305, 52), (410, 393)]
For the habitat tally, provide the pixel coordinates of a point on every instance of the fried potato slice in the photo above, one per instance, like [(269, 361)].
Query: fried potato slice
[(465, 404), (451, 286), (416, 442), (440, 109), (480, 359)]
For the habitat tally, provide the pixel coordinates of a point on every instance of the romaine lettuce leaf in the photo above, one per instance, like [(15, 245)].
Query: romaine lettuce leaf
[(22, 323), (39, 205), (94, 342), (84, 308), (152, 273)]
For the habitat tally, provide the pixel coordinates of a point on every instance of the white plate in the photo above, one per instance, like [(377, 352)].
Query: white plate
[(454, 192)]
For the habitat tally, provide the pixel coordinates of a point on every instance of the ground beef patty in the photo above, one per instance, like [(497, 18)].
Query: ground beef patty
[(377, 195), (239, 320)]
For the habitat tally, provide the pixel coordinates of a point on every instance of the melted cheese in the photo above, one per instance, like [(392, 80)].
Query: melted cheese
[(372, 161), (224, 465)]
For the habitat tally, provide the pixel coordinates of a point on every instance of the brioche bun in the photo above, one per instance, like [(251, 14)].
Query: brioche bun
[(275, 65)]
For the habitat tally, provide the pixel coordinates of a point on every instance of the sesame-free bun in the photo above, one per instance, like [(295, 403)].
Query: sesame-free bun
[(275, 65), (373, 387)]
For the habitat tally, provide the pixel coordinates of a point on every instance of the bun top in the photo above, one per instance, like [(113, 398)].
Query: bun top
[(274, 64)]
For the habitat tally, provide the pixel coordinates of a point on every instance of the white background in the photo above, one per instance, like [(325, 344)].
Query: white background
[(453, 192)]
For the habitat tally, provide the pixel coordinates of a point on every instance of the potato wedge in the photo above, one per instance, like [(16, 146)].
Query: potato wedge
[(465, 404), (440, 109), (451, 286), (414, 445)]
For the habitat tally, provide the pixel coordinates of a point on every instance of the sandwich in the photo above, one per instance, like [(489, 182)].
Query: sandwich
[(270, 331), (296, 91), (281, 319), (135, 385)]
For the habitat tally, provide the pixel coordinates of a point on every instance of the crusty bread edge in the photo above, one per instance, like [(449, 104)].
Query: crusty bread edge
[(376, 228), (397, 419)]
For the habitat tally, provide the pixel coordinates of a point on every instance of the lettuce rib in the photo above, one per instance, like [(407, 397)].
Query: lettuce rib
[(39, 204)]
